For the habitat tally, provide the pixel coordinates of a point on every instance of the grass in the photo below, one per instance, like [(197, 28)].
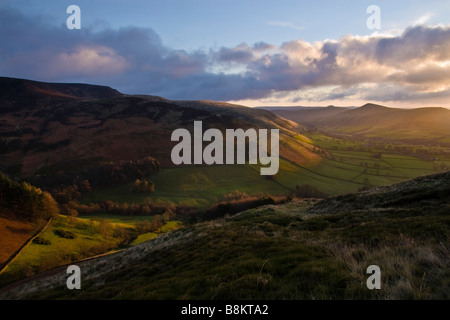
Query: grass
[(13, 234), (298, 250), (144, 237), (118, 220), (36, 257), (203, 185), (276, 253), (94, 234), (170, 226), (344, 169), (199, 186), (269, 250)]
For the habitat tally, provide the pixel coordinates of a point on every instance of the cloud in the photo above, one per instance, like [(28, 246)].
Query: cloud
[(263, 46), (416, 44), (239, 54), (422, 20), (413, 65), (87, 60)]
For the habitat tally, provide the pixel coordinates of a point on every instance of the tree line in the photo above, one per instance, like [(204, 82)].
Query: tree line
[(145, 208), (106, 173), (26, 200)]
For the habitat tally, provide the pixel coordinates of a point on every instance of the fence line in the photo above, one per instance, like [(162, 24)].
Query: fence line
[(26, 244)]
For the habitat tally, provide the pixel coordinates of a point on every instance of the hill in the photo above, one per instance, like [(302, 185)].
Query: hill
[(49, 128), (64, 137), (20, 93), (430, 192), (299, 250), (308, 115), (412, 126)]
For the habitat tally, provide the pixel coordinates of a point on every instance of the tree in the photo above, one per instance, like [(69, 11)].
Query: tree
[(143, 186), (84, 186), (50, 205), (144, 227), (166, 216)]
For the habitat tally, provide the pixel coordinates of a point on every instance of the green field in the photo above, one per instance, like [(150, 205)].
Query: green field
[(94, 235), (199, 186), (343, 169), (347, 167)]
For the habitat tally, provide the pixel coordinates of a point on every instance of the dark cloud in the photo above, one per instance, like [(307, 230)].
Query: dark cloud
[(263, 46), (413, 65)]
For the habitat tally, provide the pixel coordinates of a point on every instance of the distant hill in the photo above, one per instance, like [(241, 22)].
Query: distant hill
[(412, 126), (303, 108), (15, 91), (46, 128), (308, 115)]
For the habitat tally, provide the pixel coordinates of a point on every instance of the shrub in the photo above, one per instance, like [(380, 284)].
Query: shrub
[(65, 234), (39, 240), (231, 207), (143, 186), (308, 191)]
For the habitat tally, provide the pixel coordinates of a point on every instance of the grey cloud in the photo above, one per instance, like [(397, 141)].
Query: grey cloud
[(262, 46), (241, 54), (386, 92), (416, 43)]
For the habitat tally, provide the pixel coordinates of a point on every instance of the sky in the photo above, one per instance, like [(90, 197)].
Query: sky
[(250, 52)]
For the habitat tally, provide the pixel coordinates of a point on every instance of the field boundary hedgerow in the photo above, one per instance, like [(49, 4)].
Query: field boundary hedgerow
[(26, 244)]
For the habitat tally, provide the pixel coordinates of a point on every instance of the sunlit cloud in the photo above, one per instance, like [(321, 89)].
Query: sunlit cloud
[(422, 20), (95, 60)]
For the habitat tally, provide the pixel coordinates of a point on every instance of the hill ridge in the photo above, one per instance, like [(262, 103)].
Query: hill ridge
[(428, 125), (10, 86)]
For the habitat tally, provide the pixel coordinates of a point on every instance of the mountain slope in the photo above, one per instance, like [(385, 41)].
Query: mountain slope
[(415, 126), (431, 192), (307, 116), (283, 252), (48, 127)]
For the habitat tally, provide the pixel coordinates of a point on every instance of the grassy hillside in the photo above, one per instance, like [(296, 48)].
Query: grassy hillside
[(411, 126), (48, 129), (308, 116), (70, 239), (199, 186), (346, 166), (298, 250)]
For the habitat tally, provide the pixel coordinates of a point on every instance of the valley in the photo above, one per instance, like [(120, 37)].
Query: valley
[(97, 164)]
